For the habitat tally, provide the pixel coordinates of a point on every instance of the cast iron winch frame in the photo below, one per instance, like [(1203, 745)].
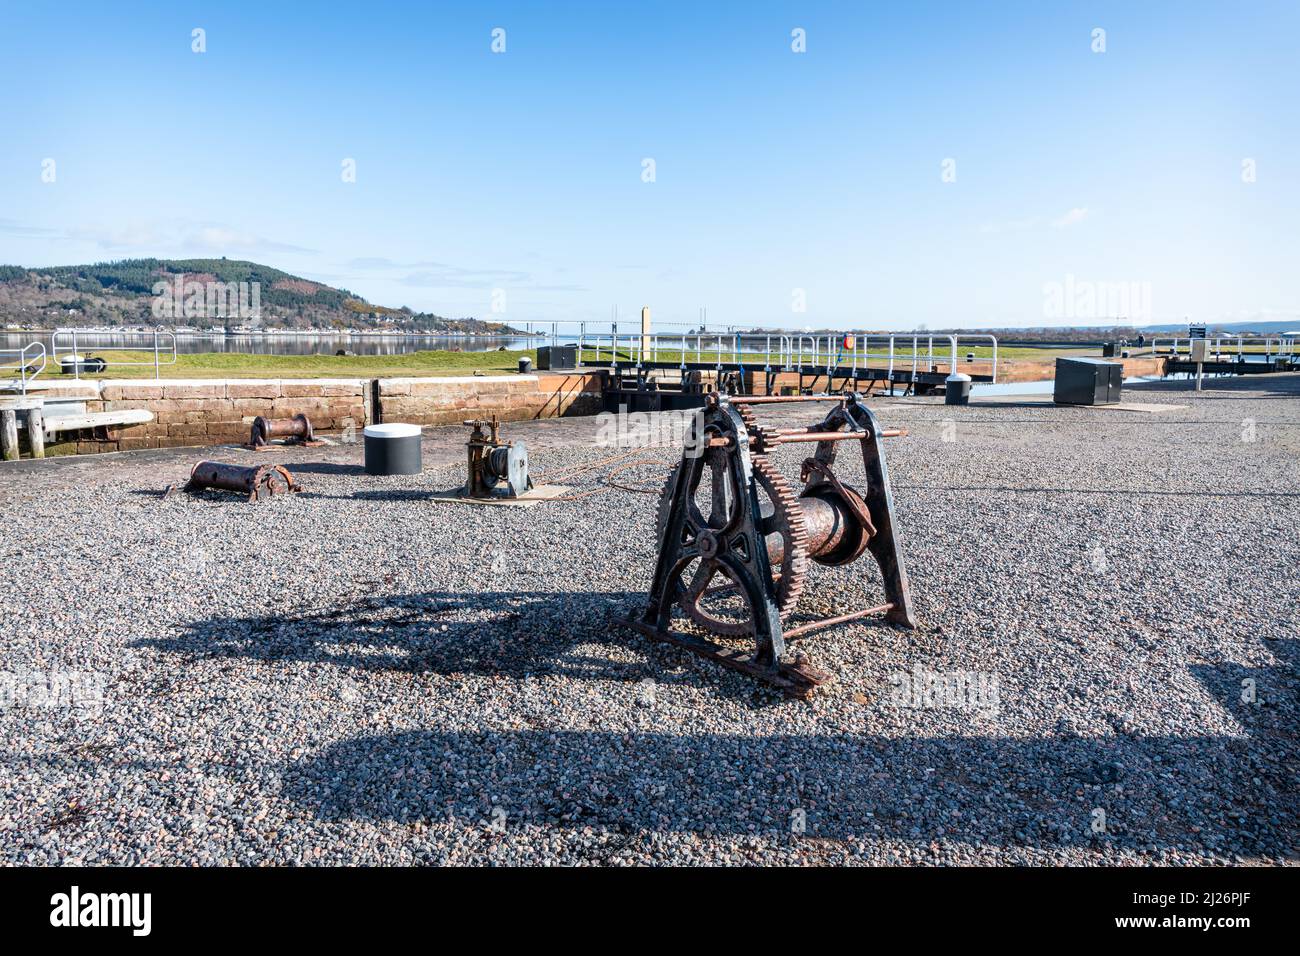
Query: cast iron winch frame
[(827, 522)]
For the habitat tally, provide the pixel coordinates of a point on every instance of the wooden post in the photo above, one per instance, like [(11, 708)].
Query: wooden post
[(36, 432), (9, 434)]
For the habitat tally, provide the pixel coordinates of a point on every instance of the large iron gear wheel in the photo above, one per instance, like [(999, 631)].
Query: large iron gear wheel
[(781, 515)]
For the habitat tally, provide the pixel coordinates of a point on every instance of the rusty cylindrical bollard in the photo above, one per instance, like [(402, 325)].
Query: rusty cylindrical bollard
[(253, 480), (295, 431)]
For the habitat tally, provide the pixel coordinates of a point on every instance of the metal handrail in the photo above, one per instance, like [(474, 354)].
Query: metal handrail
[(783, 350), (156, 346), (24, 363), (1273, 345), (905, 349)]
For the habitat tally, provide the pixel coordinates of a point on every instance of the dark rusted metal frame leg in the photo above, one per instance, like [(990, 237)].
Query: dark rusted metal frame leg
[(884, 545), (743, 556)]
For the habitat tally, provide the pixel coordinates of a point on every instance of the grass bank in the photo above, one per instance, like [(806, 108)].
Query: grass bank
[(246, 365)]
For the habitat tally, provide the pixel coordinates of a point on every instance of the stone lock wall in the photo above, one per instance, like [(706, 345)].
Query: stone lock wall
[(450, 400), (212, 413), (197, 412), (201, 411)]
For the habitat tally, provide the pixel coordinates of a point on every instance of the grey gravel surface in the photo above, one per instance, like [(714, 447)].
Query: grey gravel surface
[(360, 674)]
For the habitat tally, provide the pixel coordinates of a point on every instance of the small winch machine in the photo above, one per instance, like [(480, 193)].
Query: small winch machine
[(497, 469)]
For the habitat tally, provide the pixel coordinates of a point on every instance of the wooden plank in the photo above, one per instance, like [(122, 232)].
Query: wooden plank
[(129, 416), (20, 404)]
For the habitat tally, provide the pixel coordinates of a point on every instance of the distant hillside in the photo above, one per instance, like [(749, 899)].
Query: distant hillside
[(1263, 328), (122, 293)]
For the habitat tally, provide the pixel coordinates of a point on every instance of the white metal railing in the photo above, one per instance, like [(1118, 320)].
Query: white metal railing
[(1270, 347), (161, 345), (835, 352), (30, 362)]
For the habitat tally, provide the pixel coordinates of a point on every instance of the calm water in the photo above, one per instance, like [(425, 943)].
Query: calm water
[(281, 344)]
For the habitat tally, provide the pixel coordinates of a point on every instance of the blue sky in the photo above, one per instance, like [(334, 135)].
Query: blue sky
[(774, 171)]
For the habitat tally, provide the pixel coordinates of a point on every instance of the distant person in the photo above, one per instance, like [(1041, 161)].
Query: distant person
[(1142, 340)]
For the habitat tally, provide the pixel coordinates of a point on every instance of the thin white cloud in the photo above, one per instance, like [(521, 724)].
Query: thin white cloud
[(217, 238), (440, 275), (1076, 215), (167, 239), (12, 227), (1009, 225), (997, 226)]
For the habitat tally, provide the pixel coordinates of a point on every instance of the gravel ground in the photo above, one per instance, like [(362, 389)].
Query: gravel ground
[(359, 674)]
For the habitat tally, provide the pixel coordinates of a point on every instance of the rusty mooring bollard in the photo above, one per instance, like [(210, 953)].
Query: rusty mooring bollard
[(253, 480), (295, 431)]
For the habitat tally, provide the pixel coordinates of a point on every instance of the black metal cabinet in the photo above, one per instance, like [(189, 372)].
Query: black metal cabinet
[(555, 357), (1087, 381)]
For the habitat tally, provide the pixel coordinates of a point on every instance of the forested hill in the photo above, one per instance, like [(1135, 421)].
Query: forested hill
[(122, 293)]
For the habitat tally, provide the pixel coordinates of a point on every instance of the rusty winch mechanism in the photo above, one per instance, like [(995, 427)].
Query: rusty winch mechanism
[(735, 538), (497, 469), (255, 481), (294, 431)]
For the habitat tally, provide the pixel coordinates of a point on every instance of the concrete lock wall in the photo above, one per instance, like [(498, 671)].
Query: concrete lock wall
[(213, 411)]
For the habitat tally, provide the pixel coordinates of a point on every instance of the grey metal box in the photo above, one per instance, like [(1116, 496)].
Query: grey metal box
[(1087, 381), (557, 357)]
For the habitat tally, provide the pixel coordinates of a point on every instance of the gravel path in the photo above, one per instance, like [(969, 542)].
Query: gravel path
[(361, 675)]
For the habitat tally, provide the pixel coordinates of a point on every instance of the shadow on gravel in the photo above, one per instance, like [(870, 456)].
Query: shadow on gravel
[(1198, 793), (1277, 384), (492, 633), (149, 492), (396, 494), (1135, 492), (326, 468)]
